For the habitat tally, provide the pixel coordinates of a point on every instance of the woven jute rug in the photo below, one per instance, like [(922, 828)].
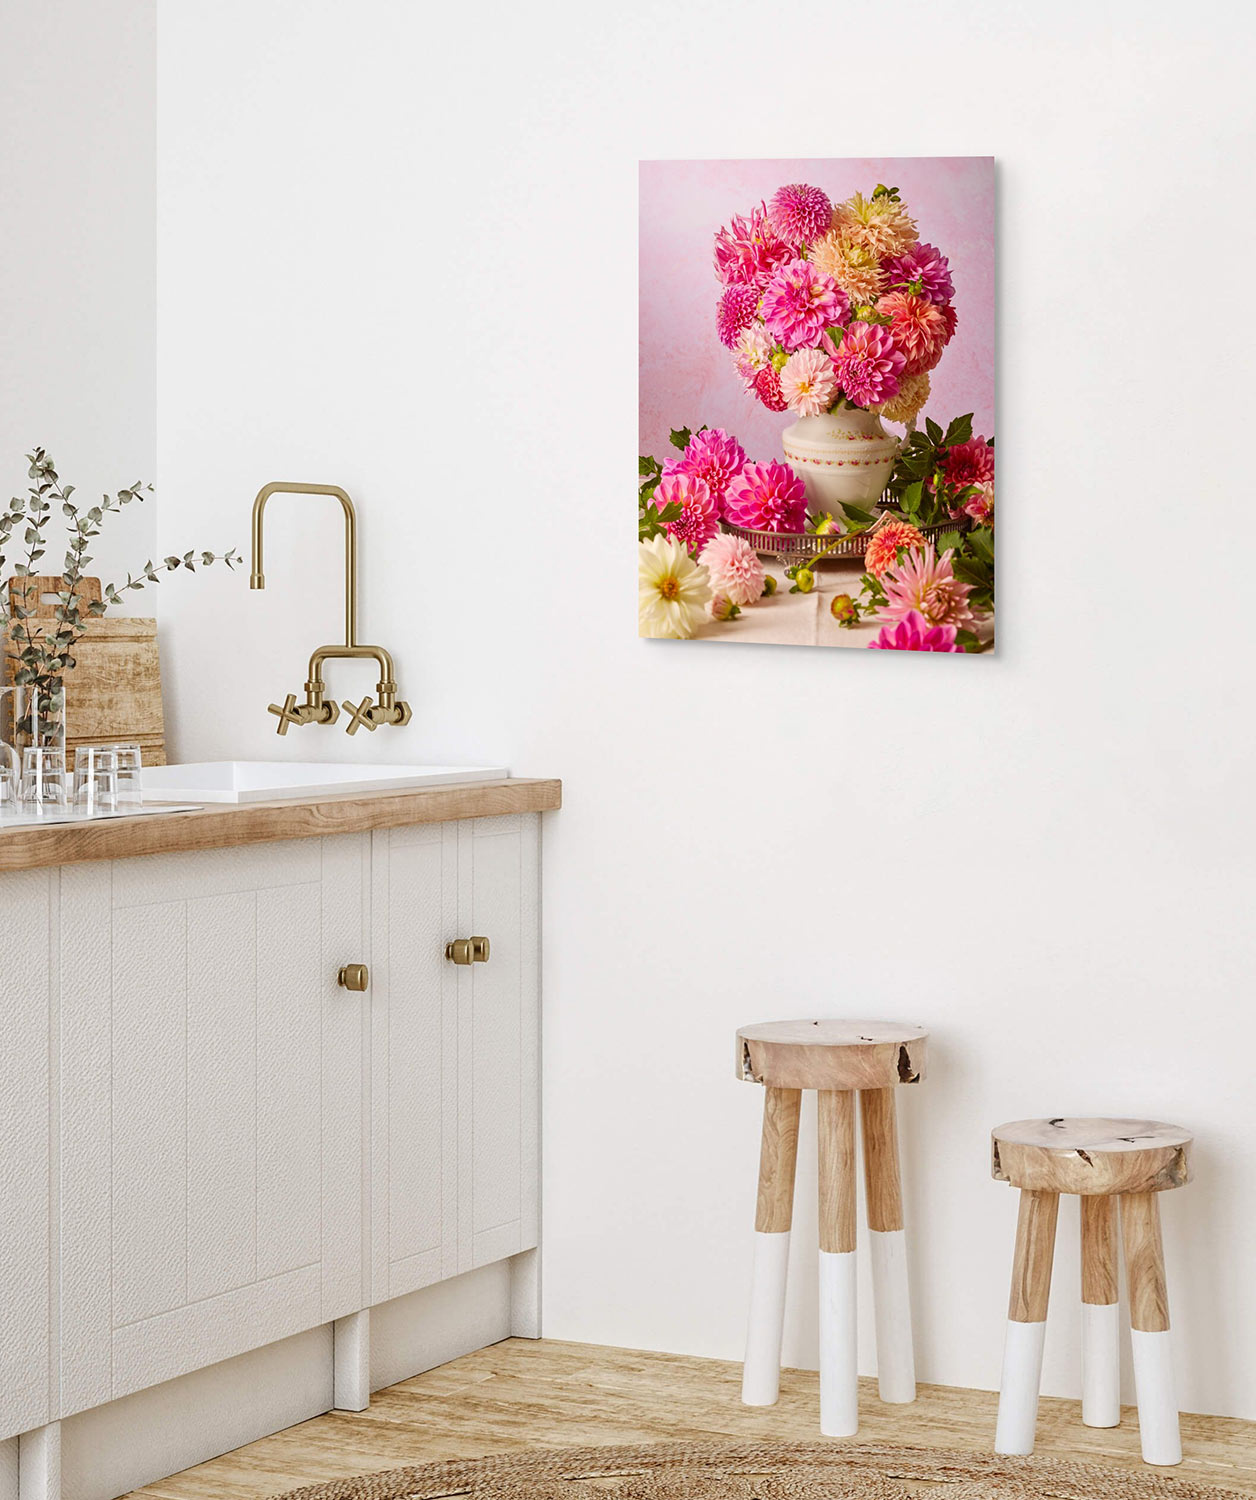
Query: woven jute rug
[(762, 1471)]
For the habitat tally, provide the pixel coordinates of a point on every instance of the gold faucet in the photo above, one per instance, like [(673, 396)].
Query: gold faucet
[(317, 709)]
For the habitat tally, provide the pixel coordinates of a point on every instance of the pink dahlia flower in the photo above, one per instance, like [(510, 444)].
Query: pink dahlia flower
[(924, 264), (927, 584), (920, 329), (808, 383), (914, 633), (800, 302), (713, 456), (767, 497), (734, 566), (979, 506), (700, 511), (737, 307), (800, 213), (868, 364), (767, 386), (969, 463), (748, 250), (752, 351), (884, 544)]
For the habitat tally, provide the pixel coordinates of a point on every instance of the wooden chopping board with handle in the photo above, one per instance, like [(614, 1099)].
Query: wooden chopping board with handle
[(113, 691)]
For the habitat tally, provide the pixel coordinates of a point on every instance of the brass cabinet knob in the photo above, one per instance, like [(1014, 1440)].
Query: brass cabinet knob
[(472, 950), (354, 977)]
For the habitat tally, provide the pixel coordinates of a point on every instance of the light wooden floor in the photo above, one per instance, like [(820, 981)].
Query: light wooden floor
[(526, 1394)]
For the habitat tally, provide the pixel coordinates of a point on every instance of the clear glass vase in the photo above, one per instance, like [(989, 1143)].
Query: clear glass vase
[(10, 760), (39, 715)]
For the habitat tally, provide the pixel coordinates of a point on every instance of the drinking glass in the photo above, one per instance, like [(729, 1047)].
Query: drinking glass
[(10, 790), (43, 779), (130, 764), (95, 781)]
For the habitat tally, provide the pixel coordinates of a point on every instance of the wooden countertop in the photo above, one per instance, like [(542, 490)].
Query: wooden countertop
[(219, 825)]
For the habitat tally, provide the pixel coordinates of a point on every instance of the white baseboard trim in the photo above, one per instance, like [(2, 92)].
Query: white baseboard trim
[(113, 1449), (432, 1326)]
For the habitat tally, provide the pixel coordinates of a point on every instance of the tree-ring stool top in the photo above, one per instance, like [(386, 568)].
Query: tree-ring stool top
[(1091, 1157), (831, 1055)]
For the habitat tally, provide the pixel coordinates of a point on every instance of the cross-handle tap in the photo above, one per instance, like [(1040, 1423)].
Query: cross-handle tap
[(370, 715), (317, 709)]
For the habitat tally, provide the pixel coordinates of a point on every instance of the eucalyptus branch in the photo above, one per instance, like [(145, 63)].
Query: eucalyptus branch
[(152, 574), (41, 650)]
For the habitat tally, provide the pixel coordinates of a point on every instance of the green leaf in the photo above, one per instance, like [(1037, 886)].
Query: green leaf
[(958, 431), (856, 515), (934, 432), (981, 540), (647, 465), (679, 437)]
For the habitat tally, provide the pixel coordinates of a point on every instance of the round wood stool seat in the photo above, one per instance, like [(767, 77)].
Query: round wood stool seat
[(1105, 1163), (843, 1061), (831, 1054), (1092, 1157)]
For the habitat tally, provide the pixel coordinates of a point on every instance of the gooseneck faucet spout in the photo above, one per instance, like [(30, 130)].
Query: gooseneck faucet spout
[(387, 708), (257, 574)]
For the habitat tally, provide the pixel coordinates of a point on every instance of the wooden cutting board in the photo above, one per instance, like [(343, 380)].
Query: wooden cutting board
[(114, 690)]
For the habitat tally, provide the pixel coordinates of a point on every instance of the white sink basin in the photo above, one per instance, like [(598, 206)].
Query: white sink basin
[(266, 780)]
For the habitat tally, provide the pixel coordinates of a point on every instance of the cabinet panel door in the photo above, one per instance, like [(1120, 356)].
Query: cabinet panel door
[(212, 1164), (498, 1015), (28, 905), (414, 1070)]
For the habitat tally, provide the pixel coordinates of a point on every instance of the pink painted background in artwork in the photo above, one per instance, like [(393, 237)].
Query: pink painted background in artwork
[(687, 376)]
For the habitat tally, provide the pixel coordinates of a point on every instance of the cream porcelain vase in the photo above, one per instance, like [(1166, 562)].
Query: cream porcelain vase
[(841, 456)]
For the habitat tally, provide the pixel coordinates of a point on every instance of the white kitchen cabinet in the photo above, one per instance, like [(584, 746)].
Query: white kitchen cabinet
[(28, 911), (212, 1134), (454, 1050), (207, 1145), (498, 1157)]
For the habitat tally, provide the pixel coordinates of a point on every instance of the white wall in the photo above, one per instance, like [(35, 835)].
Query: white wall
[(78, 258), (397, 251)]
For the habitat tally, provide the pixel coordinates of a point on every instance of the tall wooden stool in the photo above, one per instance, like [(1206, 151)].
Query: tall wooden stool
[(838, 1059), (1105, 1161)]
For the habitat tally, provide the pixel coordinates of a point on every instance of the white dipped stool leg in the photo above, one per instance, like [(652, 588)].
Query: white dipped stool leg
[(839, 1352), (1027, 1322), (761, 1373), (1101, 1320), (778, 1155), (839, 1344), (1158, 1428), (896, 1360)]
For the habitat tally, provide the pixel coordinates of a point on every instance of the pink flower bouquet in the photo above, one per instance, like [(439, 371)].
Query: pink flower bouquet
[(825, 307)]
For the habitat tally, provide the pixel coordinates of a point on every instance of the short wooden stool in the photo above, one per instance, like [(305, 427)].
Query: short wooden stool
[(1104, 1161), (838, 1059)]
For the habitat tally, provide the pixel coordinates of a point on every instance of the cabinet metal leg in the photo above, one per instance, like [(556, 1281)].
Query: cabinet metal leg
[(351, 1354), (39, 1463), (525, 1295)]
